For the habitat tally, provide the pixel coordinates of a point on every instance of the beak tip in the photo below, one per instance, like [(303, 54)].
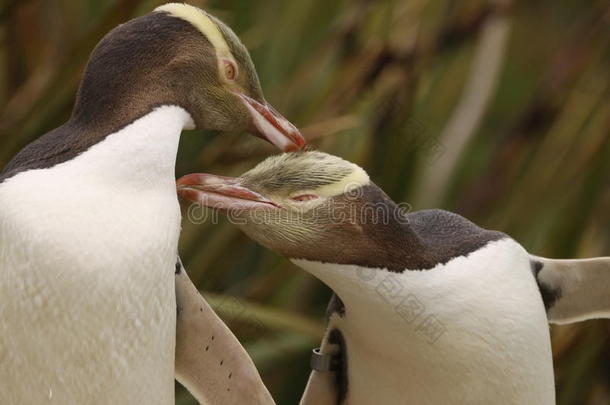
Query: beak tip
[(300, 141), (273, 127), (294, 147)]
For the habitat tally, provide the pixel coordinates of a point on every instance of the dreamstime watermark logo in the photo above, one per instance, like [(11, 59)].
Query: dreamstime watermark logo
[(349, 209), (200, 214)]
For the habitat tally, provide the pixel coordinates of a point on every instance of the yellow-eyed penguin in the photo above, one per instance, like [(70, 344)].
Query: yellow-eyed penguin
[(89, 218), (428, 307)]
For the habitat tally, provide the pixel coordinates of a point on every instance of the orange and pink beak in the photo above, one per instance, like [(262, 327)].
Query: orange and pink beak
[(272, 126), (221, 193), (227, 193)]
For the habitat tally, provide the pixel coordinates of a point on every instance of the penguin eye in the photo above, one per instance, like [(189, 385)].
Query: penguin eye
[(304, 197), (230, 70)]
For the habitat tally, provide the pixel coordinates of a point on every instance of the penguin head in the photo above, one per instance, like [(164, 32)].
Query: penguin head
[(308, 205), (179, 55)]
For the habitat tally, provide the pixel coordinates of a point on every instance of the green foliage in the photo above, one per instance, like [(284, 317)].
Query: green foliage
[(495, 110)]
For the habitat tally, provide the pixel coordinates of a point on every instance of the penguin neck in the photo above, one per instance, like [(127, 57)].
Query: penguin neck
[(142, 152), (371, 231), (387, 239), (130, 74)]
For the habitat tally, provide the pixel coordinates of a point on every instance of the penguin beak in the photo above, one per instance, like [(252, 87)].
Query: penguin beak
[(272, 126), (222, 193)]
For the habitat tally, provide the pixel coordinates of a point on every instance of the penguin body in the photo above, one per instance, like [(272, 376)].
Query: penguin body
[(89, 217), (470, 331), (428, 307), (87, 282)]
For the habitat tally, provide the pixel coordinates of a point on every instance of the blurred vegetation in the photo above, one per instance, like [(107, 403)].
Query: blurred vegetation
[(498, 110)]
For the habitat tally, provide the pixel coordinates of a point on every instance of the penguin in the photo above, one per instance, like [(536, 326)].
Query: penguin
[(428, 308), (90, 220)]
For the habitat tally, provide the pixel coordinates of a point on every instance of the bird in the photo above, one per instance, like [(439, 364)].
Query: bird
[(428, 308), (90, 219)]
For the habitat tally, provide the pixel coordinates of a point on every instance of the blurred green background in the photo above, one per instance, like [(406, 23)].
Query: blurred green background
[(498, 110)]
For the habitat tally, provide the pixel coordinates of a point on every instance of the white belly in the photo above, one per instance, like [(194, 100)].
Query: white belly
[(93, 321), (473, 331), (87, 255)]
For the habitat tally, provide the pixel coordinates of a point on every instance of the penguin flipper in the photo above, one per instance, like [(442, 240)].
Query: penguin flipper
[(210, 361), (320, 390), (322, 387), (574, 290)]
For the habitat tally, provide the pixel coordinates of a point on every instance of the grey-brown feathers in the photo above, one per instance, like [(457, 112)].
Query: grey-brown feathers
[(122, 82)]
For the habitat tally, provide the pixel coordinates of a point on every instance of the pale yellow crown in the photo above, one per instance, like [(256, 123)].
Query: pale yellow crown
[(204, 23), (302, 172)]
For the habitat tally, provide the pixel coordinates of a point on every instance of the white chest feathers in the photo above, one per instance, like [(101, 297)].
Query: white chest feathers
[(87, 253), (471, 331)]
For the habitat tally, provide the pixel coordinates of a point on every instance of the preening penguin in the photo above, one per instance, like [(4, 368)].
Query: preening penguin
[(428, 309), (89, 218)]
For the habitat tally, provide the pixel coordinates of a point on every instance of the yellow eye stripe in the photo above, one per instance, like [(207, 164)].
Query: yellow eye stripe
[(354, 180), (200, 20)]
